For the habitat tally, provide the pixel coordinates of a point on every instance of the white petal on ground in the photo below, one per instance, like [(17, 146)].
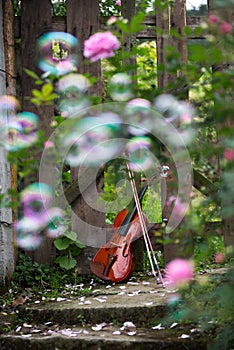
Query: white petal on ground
[(116, 333), (100, 300), (129, 324), (99, 327), (174, 325), (184, 336), (159, 326), (131, 333)]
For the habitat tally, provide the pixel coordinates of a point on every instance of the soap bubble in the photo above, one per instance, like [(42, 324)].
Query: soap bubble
[(120, 87), (55, 226), (57, 53), (72, 89), (9, 107), (139, 154), (139, 115), (38, 217), (29, 240), (94, 140), (164, 171), (167, 105), (20, 132), (180, 114), (35, 198)]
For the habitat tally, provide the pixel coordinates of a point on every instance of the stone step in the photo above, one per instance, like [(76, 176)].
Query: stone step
[(106, 339), (141, 309), (123, 316)]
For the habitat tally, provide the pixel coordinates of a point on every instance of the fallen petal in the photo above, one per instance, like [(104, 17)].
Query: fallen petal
[(129, 324), (159, 326), (131, 333), (173, 325), (116, 332), (184, 336)]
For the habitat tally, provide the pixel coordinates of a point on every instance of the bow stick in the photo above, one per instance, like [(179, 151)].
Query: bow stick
[(144, 228)]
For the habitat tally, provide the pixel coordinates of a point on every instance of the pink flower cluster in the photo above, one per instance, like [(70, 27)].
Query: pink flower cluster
[(118, 2), (223, 26), (100, 45), (219, 258), (229, 154), (179, 272)]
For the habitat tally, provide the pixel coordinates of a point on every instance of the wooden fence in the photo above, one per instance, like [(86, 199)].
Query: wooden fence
[(36, 20)]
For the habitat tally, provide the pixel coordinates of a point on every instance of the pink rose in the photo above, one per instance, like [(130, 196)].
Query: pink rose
[(118, 2), (179, 272), (100, 45), (228, 154), (225, 28), (213, 19)]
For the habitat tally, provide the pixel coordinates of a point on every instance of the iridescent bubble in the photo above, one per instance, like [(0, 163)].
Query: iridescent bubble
[(38, 216), (120, 88), (164, 171), (55, 227), (29, 240), (72, 89), (94, 140), (20, 132), (9, 107), (138, 114), (8, 134), (138, 153), (167, 105), (35, 222), (180, 114), (35, 198), (57, 53)]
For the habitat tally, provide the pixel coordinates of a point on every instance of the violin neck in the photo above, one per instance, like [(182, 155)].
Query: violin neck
[(128, 219)]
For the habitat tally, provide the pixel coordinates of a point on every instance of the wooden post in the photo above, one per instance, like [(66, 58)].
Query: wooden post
[(166, 20), (228, 227), (36, 20), (162, 41), (7, 256), (9, 51), (89, 223)]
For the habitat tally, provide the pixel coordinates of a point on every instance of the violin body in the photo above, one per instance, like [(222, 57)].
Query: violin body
[(115, 261)]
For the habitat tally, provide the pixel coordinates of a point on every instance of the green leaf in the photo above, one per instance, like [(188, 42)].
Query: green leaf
[(66, 262), (37, 93), (46, 90), (198, 53), (136, 23), (187, 31), (32, 74), (80, 244), (71, 235), (62, 243), (123, 26)]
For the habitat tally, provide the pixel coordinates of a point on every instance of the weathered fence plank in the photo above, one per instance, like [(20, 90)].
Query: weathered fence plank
[(7, 253), (36, 20), (83, 21), (59, 23)]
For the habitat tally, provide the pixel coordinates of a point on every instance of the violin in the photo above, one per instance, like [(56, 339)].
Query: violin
[(115, 261)]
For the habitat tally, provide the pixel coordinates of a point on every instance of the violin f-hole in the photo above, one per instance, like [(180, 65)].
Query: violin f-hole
[(110, 262)]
